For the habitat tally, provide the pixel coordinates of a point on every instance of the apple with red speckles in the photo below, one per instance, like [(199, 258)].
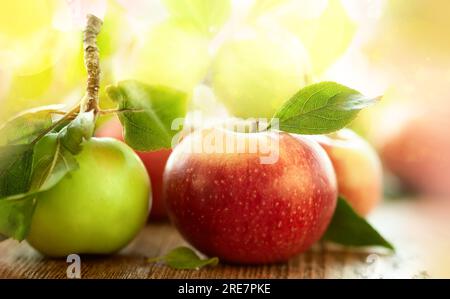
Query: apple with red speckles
[(358, 169), (242, 208), (154, 162)]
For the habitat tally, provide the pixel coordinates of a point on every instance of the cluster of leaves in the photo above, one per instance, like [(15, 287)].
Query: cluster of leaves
[(37, 149), (32, 160)]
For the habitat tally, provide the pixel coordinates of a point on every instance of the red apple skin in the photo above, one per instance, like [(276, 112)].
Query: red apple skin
[(358, 169), (231, 206), (154, 162)]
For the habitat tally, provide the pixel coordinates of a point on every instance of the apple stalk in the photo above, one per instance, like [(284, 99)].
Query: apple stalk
[(92, 63)]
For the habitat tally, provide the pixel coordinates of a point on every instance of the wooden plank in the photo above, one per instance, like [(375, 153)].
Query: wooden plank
[(323, 261)]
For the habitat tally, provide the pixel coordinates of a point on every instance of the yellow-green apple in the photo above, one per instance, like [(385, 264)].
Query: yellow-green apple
[(358, 169), (154, 163), (228, 201), (96, 209), (170, 66), (257, 70)]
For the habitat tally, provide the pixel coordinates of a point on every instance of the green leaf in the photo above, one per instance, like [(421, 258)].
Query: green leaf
[(27, 125), (29, 165), (321, 108), (185, 258), (147, 113), (80, 129), (207, 15), (350, 229), (50, 163), (15, 217), (15, 174), (15, 169), (332, 27)]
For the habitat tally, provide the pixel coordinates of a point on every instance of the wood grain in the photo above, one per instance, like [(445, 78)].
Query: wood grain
[(322, 261)]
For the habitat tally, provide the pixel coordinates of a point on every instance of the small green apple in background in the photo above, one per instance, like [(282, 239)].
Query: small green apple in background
[(358, 169), (258, 69), (174, 53), (318, 24), (154, 163), (96, 209), (208, 16)]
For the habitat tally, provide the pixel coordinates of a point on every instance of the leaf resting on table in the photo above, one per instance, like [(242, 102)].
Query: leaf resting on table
[(184, 258)]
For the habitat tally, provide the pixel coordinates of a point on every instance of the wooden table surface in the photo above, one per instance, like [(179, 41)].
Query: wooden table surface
[(419, 229)]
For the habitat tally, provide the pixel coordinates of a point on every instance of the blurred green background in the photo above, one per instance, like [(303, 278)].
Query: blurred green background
[(246, 57)]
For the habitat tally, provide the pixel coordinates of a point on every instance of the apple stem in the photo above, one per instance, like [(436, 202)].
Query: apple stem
[(92, 63)]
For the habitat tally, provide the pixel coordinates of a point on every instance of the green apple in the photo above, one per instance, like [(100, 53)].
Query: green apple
[(207, 15), (259, 69), (324, 27), (98, 208)]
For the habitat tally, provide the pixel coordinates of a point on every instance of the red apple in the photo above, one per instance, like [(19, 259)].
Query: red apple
[(154, 162), (231, 205), (358, 169)]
